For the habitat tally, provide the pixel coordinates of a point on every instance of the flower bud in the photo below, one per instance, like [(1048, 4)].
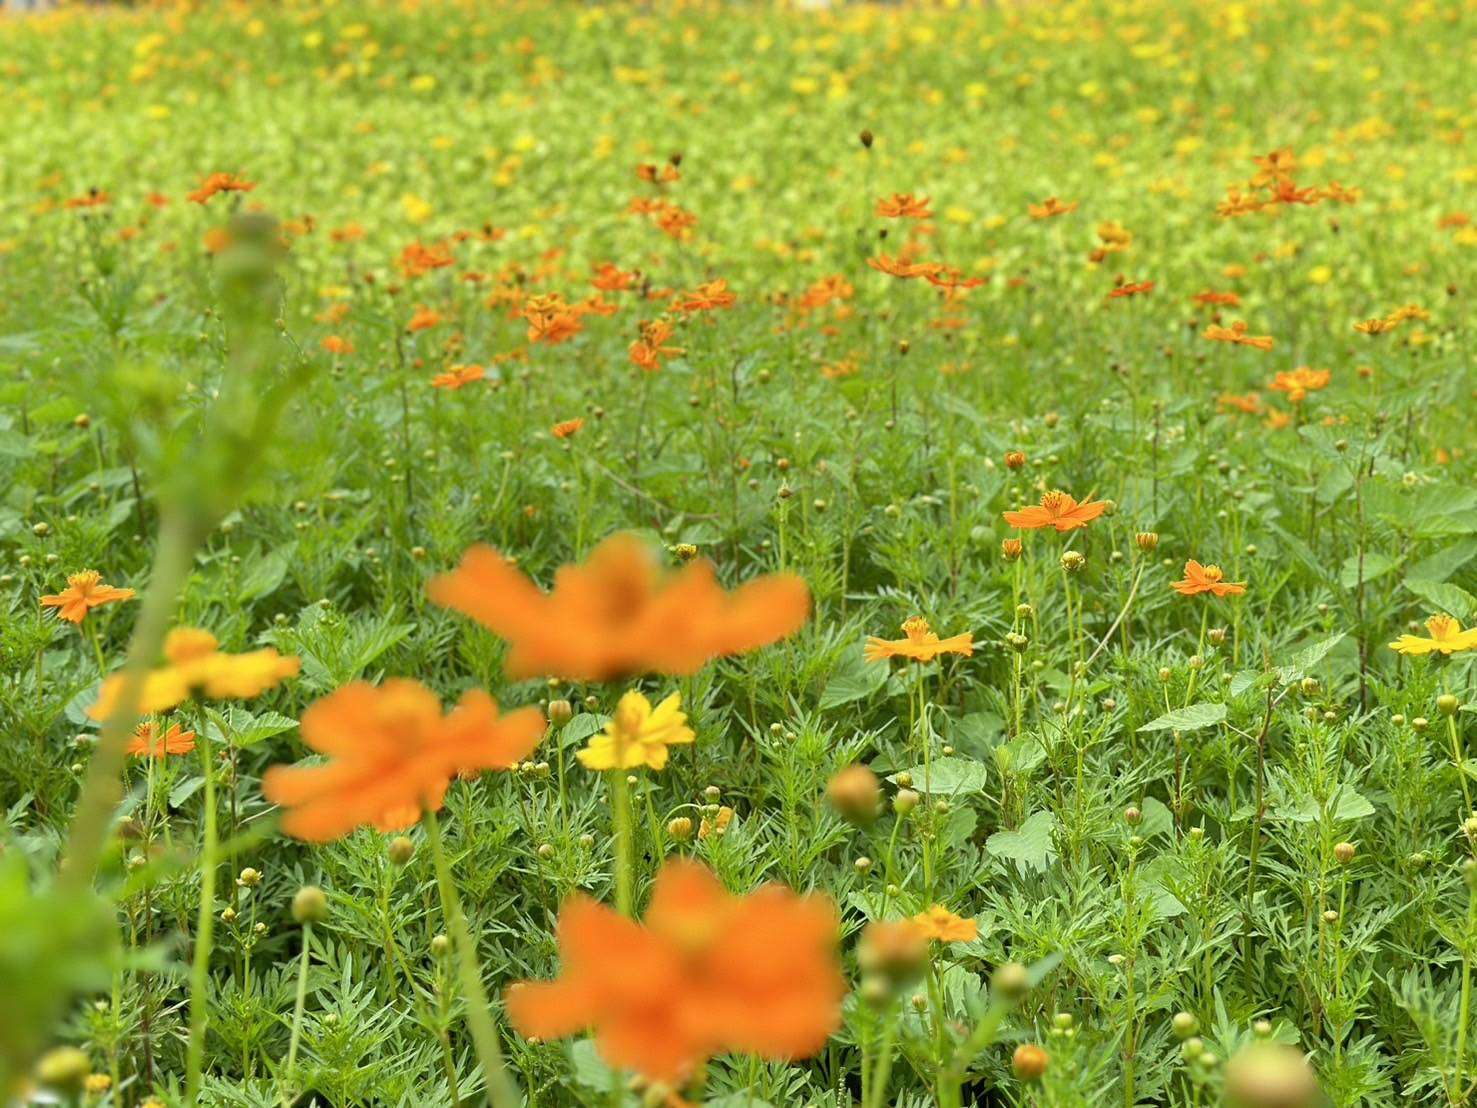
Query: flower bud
[(1447, 704), (560, 712), (1010, 549), (1147, 541), (1132, 816), (310, 905), (895, 951), (680, 828), (1344, 852), (1270, 1075), (856, 795), (1011, 981), (905, 801), (1073, 560), (1029, 1062), (1017, 642), (401, 849), (63, 1068), (249, 878), (1184, 1025), (1014, 459), (440, 946)]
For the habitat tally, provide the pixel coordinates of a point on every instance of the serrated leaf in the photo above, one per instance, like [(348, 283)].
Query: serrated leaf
[(1192, 717), (854, 679), (1350, 804), (581, 727), (1029, 845)]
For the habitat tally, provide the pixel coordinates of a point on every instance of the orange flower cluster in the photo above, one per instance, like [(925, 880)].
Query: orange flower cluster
[(619, 614), (704, 973), (1274, 185), (551, 320), (674, 221), (611, 278), (567, 429), (416, 260), (648, 351), (391, 755), (1123, 290)]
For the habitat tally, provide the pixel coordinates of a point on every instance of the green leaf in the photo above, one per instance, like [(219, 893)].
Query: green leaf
[(1190, 718), (948, 777), (264, 574), (1297, 667), (854, 679), (244, 729), (184, 790), (1446, 561), (1030, 845), (1349, 804), (581, 727), (1444, 597), (1374, 564)]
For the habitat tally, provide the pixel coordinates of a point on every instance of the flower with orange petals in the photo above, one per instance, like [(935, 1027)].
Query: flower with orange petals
[(611, 278), (1131, 290), (1246, 403), (424, 319), (1374, 326), (84, 592), (1236, 333), (551, 320), (618, 614), (1050, 207), (903, 205), (919, 643), (567, 429), (218, 183), (942, 925), (337, 344), (196, 666), (149, 741), (899, 267), (1297, 383), (707, 297), (648, 351), (457, 376), (1059, 510), (417, 259), (704, 973), (1200, 579), (92, 198), (391, 755), (1220, 299)]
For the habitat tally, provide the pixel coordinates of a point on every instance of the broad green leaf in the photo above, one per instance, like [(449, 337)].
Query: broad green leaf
[(1373, 565), (854, 679), (1442, 564), (948, 776), (1297, 667), (1445, 597), (1349, 804), (1190, 718), (1029, 845)]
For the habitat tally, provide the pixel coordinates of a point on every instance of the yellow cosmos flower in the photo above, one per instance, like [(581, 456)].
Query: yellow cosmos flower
[(943, 925), (638, 734), (194, 664), (1447, 637)]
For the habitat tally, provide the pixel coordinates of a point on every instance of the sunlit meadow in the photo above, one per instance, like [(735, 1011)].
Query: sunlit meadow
[(853, 556)]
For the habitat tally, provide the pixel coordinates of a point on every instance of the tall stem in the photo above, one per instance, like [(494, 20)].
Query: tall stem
[(500, 1090), (204, 928), (620, 803), (297, 1014)]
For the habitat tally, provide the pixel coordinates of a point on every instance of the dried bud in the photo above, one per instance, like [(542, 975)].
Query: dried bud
[(866, 139), (1073, 560)]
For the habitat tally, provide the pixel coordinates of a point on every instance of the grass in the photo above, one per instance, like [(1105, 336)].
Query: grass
[(1206, 822)]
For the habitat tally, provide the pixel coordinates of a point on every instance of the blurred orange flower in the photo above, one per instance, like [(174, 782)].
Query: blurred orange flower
[(944, 926), (84, 592), (457, 376), (1050, 207), (704, 973), (218, 183), (903, 205), (196, 666), (391, 755), (619, 614), (567, 429), (1236, 333)]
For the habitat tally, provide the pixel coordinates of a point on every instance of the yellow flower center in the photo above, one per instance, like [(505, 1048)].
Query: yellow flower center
[(1213, 573)]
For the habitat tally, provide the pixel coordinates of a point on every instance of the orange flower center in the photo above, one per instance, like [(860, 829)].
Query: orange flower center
[(1054, 501), (1213, 573)]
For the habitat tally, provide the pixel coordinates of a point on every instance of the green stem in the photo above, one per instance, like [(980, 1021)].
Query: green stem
[(297, 1014), (500, 1090), (620, 804), (204, 929)]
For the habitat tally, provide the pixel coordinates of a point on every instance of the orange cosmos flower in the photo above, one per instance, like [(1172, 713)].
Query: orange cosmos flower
[(84, 592), (567, 429), (824, 291), (904, 205), (1374, 326), (944, 926), (1409, 311), (897, 267), (92, 198), (220, 182), (336, 344), (457, 376), (148, 741), (1299, 382), (704, 973), (1210, 296), (1236, 333), (551, 321), (1050, 207), (1059, 510), (619, 614), (349, 232), (1249, 403), (1131, 289), (648, 351), (610, 278), (391, 755), (195, 666), (919, 644), (1199, 579), (416, 260), (707, 297), (1447, 637), (424, 319)]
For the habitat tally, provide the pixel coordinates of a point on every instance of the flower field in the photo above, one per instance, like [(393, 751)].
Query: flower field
[(685, 553)]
